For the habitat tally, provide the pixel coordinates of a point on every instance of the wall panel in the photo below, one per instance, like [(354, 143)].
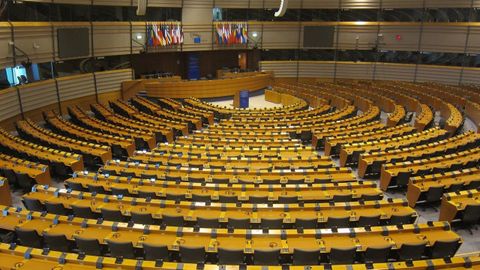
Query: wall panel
[(35, 39), (280, 68), (37, 95), (9, 103), (6, 51), (352, 70), (109, 81), (444, 38), (392, 71), (112, 39), (440, 74), (72, 87)]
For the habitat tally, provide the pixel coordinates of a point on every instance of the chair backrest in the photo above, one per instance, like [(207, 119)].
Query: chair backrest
[(342, 197), (268, 223), (83, 212), (112, 215), (96, 188), (306, 223), (378, 254), (89, 246), (29, 237), (121, 249), (412, 251), (368, 221), (227, 199), (201, 198), (258, 199), (172, 220), (230, 256), (10, 175), (56, 208), (153, 252), (192, 254), (371, 197), (338, 222), (266, 257), (342, 255), (434, 194), (75, 186), (33, 204), (57, 242), (239, 223), (400, 219), (25, 181), (306, 257), (287, 199), (120, 191), (142, 218), (147, 194), (455, 187), (473, 185), (208, 222), (175, 197), (444, 249), (471, 214)]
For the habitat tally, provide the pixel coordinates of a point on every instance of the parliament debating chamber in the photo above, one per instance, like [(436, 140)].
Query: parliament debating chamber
[(247, 134)]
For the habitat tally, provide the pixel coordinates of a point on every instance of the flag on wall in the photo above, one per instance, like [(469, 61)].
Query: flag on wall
[(164, 34), (228, 33)]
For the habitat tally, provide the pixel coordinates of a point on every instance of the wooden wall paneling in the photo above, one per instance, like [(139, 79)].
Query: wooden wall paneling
[(112, 38), (35, 39), (165, 3), (114, 3), (473, 45), (6, 54), (37, 97), (204, 31), (280, 35), (10, 107), (392, 71), (352, 70), (471, 76), (434, 40), (280, 69), (440, 74), (76, 88), (347, 40), (110, 81), (316, 69), (408, 37)]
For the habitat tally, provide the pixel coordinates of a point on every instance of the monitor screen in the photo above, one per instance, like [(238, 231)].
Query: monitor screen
[(73, 42), (318, 36)]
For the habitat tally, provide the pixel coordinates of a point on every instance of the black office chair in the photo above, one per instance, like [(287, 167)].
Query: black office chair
[(29, 237), (258, 199), (400, 219), (154, 252), (473, 185), (266, 257), (97, 189), (192, 254), (25, 181), (113, 215), (227, 199), (142, 218), (338, 222), (208, 222), (56, 208), (89, 246), (120, 191), (455, 187), (57, 242), (175, 197), (75, 186), (342, 198), (201, 198), (147, 194), (230, 256), (33, 204), (342, 255), (411, 251), (169, 220), (471, 214), (434, 194), (11, 177), (239, 223), (83, 212), (371, 197), (287, 199), (122, 250), (306, 223), (271, 223), (377, 254), (368, 221), (306, 257), (444, 249), (128, 174)]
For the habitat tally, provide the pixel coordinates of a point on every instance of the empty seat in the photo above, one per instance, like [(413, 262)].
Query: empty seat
[(471, 214), (266, 257), (258, 199), (83, 212), (122, 250), (33, 204), (271, 223), (411, 251), (455, 187), (153, 252), (208, 222), (230, 256), (175, 197), (287, 199), (57, 242), (89, 246), (306, 257), (201, 198), (127, 174), (113, 215), (147, 194), (172, 220), (434, 194), (377, 254), (75, 186), (338, 222), (120, 191), (192, 254), (56, 208), (11, 177), (306, 223), (142, 218), (342, 255), (368, 221), (400, 219), (25, 181), (473, 185), (29, 238), (227, 199), (342, 198), (96, 189), (239, 223), (444, 249), (371, 197)]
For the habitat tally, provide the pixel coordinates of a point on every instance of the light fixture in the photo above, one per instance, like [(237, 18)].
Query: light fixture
[(254, 34), (283, 8), (139, 36)]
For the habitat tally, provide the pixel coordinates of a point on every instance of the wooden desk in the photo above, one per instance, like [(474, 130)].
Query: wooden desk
[(5, 196), (39, 172), (191, 211), (455, 202)]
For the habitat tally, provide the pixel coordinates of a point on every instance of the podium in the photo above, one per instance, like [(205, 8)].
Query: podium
[(241, 99)]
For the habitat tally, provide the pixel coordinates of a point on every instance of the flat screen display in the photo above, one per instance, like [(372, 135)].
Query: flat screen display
[(318, 36), (73, 42)]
